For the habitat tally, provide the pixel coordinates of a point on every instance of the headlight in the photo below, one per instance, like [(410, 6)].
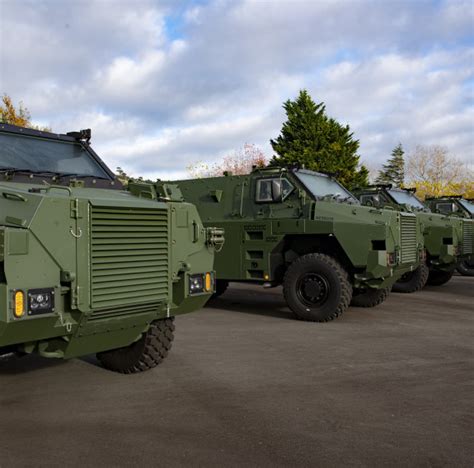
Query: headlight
[(40, 301), (201, 283)]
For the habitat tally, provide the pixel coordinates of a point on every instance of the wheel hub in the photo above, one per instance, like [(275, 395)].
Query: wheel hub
[(313, 289)]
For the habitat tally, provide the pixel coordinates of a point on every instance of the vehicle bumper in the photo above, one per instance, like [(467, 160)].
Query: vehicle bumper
[(379, 274), (447, 258)]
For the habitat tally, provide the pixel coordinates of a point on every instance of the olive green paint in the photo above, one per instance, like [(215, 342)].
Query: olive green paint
[(443, 234), (95, 248), (262, 239)]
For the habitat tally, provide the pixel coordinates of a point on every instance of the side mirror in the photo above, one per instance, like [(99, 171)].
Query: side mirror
[(276, 190)]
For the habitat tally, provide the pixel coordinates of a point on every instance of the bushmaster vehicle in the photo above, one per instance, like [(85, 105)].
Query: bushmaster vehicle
[(86, 266), (443, 236), (458, 206), (304, 230)]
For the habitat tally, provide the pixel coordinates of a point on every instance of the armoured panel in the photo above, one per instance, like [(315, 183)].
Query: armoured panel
[(468, 237), (408, 238), (129, 256)]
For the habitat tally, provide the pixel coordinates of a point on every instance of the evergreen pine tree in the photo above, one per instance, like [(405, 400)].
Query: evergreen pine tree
[(311, 139), (393, 172)]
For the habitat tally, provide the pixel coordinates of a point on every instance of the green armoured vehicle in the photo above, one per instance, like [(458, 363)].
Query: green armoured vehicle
[(86, 266), (459, 206), (303, 230), (443, 236)]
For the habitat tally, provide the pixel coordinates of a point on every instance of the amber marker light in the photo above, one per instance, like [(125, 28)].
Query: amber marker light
[(19, 304), (208, 282)]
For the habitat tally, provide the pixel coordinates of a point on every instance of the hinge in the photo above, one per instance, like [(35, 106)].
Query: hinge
[(75, 298), (75, 213)]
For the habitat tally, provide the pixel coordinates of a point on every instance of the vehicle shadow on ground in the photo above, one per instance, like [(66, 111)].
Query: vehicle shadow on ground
[(11, 365), (92, 360), (250, 303), (449, 288)]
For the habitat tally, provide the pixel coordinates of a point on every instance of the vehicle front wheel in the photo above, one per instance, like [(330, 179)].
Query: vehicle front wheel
[(466, 268), (369, 297), (144, 354), (412, 281), (317, 288), (439, 277)]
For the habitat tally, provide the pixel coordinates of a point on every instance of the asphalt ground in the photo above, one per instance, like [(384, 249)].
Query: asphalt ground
[(246, 385)]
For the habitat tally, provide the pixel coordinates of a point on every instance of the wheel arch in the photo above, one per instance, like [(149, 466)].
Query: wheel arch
[(292, 247)]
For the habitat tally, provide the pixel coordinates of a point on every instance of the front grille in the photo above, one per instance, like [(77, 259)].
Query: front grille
[(129, 257), (467, 236), (408, 238)]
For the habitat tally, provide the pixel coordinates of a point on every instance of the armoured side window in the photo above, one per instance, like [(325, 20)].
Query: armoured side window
[(264, 190), (273, 190), (370, 200), (446, 208)]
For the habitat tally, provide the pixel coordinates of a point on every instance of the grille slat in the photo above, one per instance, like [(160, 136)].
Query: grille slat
[(142, 273), (408, 238), (122, 312), (134, 265), (467, 236), (129, 259)]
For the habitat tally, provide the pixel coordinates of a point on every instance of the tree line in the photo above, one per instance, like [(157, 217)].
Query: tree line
[(311, 139)]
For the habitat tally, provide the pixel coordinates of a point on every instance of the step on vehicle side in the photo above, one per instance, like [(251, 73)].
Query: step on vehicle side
[(303, 230), (86, 266), (443, 236), (459, 206)]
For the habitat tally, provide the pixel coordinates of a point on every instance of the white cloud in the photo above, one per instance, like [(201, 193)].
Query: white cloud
[(395, 71)]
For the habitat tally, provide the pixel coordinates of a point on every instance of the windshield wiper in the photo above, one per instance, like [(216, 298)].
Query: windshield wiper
[(15, 170), (73, 174)]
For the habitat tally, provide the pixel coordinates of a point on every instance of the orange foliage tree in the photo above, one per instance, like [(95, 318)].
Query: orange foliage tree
[(19, 116), (239, 162), (11, 115)]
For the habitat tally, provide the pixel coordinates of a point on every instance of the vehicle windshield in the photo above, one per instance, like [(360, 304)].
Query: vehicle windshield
[(406, 198), (21, 152), (467, 205), (321, 185)]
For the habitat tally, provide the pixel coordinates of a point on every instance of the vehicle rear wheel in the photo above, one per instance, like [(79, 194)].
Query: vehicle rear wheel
[(439, 277), (221, 288), (369, 297), (466, 268), (144, 354), (412, 281), (317, 288)]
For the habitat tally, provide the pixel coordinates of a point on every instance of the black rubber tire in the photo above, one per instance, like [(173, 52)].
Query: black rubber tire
[(439, 277), (144, 354), (337, 278), (369, 297), (466, 268), (413, 281), (221, 288)]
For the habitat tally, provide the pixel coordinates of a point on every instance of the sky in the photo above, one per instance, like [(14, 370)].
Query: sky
[(167, 84)]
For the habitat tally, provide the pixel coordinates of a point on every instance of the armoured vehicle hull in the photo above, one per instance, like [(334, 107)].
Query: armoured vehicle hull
[(443, 236), (298, 236), (464, 209), (87, 267)]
